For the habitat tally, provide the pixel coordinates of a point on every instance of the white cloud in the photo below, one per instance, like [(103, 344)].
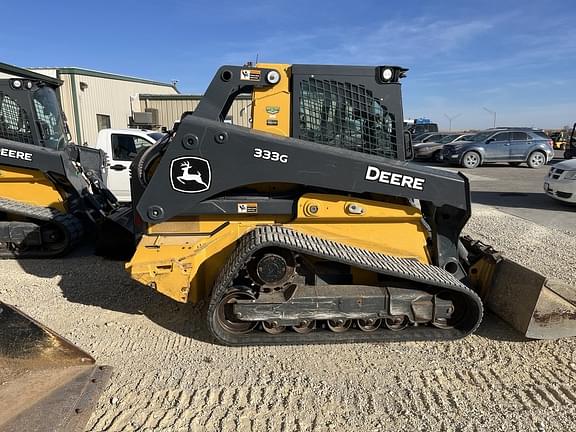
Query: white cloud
[(392, 41)]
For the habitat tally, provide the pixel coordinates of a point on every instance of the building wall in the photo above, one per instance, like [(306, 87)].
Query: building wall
[(114, 98), (84, 95), (170, 108)]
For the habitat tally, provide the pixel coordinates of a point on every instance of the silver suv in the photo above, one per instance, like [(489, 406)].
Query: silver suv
[(512, 145)]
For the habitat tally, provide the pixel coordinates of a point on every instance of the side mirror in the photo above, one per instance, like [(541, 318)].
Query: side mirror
[(489, 140)]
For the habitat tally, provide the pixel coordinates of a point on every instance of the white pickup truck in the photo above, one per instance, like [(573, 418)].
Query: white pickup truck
[(122, 146)]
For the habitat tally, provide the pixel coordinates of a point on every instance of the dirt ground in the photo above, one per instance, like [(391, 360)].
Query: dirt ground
[(169, 376)]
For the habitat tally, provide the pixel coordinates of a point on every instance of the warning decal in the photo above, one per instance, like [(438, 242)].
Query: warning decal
[(247, 208), (250, 75)]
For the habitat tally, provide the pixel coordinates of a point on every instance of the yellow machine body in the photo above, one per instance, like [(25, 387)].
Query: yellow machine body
[(182, 258), (31, 187), (271, 105)]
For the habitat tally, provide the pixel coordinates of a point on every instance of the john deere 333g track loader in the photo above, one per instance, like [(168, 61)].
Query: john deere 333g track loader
[(312, 226)]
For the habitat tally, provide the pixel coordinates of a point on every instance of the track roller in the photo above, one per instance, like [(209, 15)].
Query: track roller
[(304, 327), (339, 325)]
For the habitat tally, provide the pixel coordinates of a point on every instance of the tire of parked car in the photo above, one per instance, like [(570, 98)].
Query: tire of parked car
[(536, 159), (471, 160)]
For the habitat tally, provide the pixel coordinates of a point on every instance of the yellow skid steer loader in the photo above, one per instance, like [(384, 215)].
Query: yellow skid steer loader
[(313, 226)]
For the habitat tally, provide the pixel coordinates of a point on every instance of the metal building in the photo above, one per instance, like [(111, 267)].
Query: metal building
[(166, 109), (95, 100)]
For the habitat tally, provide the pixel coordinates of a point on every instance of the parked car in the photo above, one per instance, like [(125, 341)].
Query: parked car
[(512, 145), (560, 183), (433, 149), (121, 146), (428, 137)]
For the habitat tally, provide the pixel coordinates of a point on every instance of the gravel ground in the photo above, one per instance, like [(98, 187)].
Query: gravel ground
[(169, 376)]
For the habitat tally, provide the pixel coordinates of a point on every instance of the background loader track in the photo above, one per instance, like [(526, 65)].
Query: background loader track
[(68, 224)]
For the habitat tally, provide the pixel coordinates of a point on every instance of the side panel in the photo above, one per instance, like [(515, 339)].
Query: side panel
[(29, 186), (181, 259), (271, 105)]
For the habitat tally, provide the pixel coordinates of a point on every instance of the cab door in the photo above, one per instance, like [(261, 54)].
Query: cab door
[(497, 147), (124, 150)]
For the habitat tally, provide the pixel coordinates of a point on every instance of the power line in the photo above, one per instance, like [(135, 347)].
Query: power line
[(450, 118), (491, 112)]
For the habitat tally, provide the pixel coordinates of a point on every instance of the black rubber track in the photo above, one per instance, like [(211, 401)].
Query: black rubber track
[(411, 270), (68, 224)]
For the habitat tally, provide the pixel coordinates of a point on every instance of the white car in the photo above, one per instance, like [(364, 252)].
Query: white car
[(560, 183)]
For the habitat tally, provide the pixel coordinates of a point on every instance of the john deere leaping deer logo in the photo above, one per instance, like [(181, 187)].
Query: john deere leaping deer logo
[(187, 177), (190, 174)]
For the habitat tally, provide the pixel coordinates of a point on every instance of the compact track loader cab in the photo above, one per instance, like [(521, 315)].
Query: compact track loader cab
[(313, 226), (50, 190)]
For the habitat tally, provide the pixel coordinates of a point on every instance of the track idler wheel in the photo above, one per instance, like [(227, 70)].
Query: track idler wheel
[(225, 314), (449, 309), (339, 325)]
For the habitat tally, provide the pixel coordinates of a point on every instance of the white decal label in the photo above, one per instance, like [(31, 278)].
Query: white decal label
[(376, 174), (14, 154), (270, 155)]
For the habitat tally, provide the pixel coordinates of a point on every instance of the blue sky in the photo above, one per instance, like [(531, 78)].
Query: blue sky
[(517, 58)]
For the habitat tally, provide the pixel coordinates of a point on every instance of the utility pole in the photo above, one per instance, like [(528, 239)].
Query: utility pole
[(491, 112), (450, 118)]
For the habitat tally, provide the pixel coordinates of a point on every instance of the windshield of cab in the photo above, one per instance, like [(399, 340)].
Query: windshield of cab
[(49, 117)]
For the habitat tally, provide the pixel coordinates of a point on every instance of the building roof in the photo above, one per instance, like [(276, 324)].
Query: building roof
[(26, 73), (107, 75), (182, 96)]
